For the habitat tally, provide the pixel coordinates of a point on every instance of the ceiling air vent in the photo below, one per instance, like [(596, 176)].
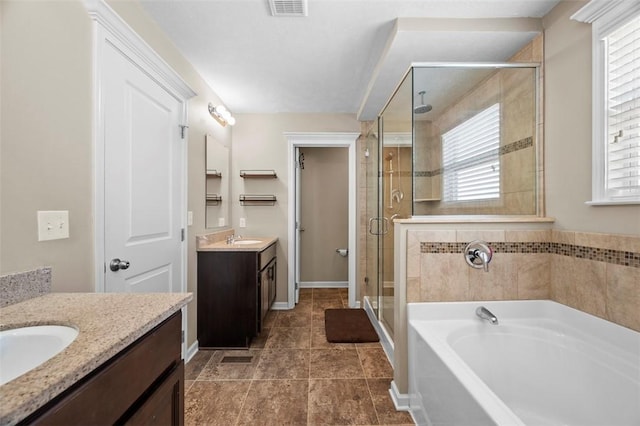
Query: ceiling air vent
[(288, 7)]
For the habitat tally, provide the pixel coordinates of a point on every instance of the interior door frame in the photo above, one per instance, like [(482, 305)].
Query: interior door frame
[(321, 140), (110, 28)]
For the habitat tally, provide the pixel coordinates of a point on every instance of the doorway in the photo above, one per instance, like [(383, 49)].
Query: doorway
[(296, 143), (324, 216)]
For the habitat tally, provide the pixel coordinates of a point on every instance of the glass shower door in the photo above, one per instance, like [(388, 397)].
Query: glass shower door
[(372, 160)]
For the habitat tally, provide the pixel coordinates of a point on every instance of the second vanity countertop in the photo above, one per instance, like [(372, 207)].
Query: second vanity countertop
[(107, 324), (263, 243)]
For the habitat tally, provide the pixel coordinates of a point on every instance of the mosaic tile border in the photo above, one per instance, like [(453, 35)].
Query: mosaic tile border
[(506, 149), (617, 257)]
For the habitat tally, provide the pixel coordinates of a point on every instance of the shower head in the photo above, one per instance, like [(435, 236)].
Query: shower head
[(389, 156), (422, 108)]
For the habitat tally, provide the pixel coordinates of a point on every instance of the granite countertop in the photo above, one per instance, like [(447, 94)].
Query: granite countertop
[(107, 323), (263, 243)]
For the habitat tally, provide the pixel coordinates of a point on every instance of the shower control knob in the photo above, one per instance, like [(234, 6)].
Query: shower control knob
[(117, 264), (478, 254)]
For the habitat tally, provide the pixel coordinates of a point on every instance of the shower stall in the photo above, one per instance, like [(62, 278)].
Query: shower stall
[(454, 139)]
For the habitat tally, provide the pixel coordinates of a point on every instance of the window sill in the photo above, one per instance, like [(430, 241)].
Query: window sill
[(612, 203)]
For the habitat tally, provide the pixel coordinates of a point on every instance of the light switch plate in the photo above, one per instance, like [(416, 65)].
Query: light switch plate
[(243, 223), (221, 221), (189, 218), (53, 225)]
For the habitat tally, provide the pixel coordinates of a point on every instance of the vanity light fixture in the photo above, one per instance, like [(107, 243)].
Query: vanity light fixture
[(221, 114)]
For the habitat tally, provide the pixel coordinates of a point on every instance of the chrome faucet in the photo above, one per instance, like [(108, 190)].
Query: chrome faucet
[(478, 255), (486, 314)]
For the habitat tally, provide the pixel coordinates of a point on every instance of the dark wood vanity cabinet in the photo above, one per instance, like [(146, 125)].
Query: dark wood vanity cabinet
[(142, 385), (235, 291)]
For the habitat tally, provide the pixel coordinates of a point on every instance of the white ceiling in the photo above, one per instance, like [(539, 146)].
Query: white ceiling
[(345, 56)]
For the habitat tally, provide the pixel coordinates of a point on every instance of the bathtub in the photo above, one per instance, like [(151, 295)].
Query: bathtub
[(543, 364)]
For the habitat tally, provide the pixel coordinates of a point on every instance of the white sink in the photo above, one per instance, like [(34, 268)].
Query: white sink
[(247, 242), (23, 349)]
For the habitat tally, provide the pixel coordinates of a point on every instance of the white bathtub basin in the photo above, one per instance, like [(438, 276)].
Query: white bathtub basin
[(23, 349), (544, 364)]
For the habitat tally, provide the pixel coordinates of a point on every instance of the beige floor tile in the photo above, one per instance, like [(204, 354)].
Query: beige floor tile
[(319, 305), (324, 293), (287, 382), (340, 402), (339, 363), (270, 319), (283, 364), (194, 367), (375, 362), (290, 337), (276, 402), (215, 403), (294, 318), (383, 404), (218, 370), (260, 340)]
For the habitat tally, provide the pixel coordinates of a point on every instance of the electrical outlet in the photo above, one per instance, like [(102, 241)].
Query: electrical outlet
[(243, 222), (53, 225), (221, 221)]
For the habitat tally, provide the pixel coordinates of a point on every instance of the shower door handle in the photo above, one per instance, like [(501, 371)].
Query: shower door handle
[(385, 225)]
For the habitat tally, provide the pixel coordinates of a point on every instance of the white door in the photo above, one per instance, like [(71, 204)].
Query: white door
[(143, 180)]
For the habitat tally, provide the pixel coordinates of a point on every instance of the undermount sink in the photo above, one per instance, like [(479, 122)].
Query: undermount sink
[(23, 349), (247, 242)]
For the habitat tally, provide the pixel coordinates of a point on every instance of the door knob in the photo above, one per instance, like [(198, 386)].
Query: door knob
[(117, 264)]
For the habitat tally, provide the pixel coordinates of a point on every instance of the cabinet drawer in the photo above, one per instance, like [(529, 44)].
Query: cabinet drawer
[(107, 394), (166, 405), (266, 255)]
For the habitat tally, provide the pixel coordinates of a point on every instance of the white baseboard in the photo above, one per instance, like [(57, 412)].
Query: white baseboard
[(400, 400), (193, 349), (324, 284)]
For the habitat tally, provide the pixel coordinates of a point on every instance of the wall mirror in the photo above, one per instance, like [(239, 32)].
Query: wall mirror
[(217, 205)]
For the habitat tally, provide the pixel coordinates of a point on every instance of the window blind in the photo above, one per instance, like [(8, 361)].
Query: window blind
[(470, 158), (623, 106)]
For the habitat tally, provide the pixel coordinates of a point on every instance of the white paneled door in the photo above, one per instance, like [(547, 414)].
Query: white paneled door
[(143, 173)]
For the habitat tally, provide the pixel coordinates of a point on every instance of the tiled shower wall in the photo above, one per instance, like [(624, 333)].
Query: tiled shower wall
[(595, 273)]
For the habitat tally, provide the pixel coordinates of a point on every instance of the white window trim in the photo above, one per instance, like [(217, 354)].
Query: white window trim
[(605, 16)]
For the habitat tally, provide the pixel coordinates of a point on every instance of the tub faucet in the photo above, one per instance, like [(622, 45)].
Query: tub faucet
[(486, 314)]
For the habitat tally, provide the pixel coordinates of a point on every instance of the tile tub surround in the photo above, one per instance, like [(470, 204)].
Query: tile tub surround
[(107, 323), (595, 273), (21, 286)]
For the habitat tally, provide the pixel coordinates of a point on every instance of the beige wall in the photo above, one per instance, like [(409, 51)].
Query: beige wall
[(259, 143), (46, 138), (568, 130), (324, 215), (46, 149)]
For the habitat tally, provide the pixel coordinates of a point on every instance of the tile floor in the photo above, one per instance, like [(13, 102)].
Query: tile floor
[(294, 376)]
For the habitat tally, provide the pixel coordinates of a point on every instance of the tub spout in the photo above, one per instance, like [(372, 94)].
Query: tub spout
[(486, 314)]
